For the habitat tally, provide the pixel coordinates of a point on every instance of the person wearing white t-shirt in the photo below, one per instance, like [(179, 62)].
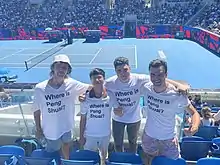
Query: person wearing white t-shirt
[(207, 118), (96, 110), (163, 103), (54, 108), (126, 88)]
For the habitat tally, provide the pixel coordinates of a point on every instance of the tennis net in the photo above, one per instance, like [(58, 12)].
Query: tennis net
[(34, 61)]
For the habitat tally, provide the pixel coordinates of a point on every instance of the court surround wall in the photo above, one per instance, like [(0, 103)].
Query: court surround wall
[(205, 38)]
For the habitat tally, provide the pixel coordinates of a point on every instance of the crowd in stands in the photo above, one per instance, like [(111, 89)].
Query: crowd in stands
[(176, 13), (94, 13), (210, 18)]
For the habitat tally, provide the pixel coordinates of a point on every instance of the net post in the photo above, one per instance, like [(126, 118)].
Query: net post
[(26, 65)]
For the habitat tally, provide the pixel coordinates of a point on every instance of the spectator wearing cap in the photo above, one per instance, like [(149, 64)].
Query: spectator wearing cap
[(54, 108)]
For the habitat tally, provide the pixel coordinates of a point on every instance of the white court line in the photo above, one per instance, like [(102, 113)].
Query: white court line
[(68, 54), (25, 54), (47, 67), (135, 57), (42, 49), (80, 54), (11, 54), (161, 55), (100, 49), (76, 64)]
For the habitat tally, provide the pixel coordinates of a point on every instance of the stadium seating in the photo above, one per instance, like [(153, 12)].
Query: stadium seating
[(194, 150), (122, 157), (160, 160), (37, 161), (216, 152), (208, 161), (41, 153), (13, 150), (75, 162), (207, 132), (85, 155), (4, 158), (91, 13), (192, 138)]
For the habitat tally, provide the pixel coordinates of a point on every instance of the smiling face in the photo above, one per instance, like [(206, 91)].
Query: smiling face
[(97, 80), (158, 73), (60, 70), (123, 72), (158, 76)]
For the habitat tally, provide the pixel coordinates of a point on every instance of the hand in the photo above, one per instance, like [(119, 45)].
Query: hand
[(191, 130), (82, 97), (39, 133), (183, 89), (175, 141), (82, 141), (118, 112)]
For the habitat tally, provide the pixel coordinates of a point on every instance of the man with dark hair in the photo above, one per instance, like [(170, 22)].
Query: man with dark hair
[(163, 103), (95, 122), (126, 88)]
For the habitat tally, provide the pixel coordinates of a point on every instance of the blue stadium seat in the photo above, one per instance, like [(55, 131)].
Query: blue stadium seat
[(192, 138), (216, 141), (194, 150), (124, 157), (216, 152), (207, 132), (38, 161), (4, 157), (77, 162), (85, 155), (208, 161), (41, 153), (114, 163), (161, 160), (12, 149)]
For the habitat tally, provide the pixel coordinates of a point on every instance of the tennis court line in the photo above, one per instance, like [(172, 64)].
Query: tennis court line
[(135, 57), (162, 55), (64, 53), (76, 65), (11, 54), (120, 46), (24, 48), (80, 54), (25, 54), (97, 53)]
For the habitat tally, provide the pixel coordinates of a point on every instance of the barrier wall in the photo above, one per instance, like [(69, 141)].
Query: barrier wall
[(205, 38)]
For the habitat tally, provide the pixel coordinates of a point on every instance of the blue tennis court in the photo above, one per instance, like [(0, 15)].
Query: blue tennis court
[(186, 60)]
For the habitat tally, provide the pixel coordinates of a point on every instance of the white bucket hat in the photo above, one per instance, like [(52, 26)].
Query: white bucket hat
[(62, 58)]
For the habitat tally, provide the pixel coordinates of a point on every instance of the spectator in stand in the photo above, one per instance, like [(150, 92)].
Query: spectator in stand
[(197, 101), (210, 19), (207, 117)]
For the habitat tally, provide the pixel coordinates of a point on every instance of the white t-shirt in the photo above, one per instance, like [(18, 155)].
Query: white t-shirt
[(98, 115), (162, 110), (57, 106), (128, 96), (208, 122)]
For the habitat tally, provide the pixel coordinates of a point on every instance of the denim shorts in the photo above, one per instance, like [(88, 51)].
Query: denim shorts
[(55, 145)]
